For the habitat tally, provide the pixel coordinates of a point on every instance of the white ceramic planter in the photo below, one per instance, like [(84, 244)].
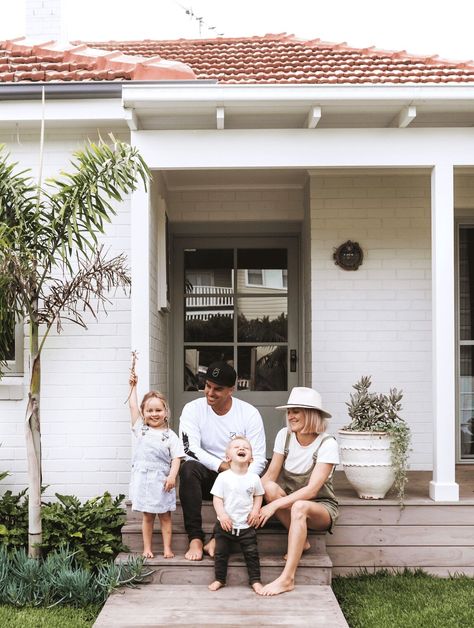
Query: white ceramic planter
[(367, 462)]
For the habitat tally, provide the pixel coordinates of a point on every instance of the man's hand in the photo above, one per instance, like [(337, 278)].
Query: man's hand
[(223, 466), (225, 521)]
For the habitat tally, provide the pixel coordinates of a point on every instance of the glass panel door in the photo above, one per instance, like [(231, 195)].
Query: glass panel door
[(466, 342), (237, 303)]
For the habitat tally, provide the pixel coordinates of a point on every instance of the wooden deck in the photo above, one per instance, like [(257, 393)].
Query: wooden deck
[(375, 534)]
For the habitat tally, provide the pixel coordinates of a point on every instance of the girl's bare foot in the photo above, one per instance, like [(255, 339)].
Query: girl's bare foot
[(210, 548), (168, 553), (148, 554), (195, 550), (215, 586), (257, 587), (306, 548), (280, 585)]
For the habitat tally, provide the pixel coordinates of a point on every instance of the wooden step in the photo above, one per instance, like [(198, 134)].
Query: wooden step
[(270, 540), (312, 570), (233, 607)]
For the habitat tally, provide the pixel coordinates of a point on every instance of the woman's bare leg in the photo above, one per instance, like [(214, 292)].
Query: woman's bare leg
[(302, 513), (166, 533), (147, 533), (274, 491)]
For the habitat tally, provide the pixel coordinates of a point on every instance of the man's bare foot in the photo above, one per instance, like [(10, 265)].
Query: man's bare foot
[(306, 548), (195, 550), (168, 553), (257, 587), (148, 554), (215, 586), (210, 548), (280, 585)]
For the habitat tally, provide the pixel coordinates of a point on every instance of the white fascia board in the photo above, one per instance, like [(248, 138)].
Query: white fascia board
[(151, 96), (305, 148), (74, 110)]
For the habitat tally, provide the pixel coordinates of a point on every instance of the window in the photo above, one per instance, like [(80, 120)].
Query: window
[(13, 349), (466, 342)]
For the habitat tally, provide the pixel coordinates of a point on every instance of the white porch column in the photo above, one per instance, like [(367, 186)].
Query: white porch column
[(443, 487), (140, 261)]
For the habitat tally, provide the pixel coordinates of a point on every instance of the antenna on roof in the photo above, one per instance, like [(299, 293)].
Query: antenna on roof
[(202, 24)]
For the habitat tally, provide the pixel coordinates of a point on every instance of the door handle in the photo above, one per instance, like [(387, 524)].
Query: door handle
[(293, 360)]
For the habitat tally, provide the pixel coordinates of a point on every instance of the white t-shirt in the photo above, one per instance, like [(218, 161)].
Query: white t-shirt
[(300, 458), (205, 434), (238, 492)]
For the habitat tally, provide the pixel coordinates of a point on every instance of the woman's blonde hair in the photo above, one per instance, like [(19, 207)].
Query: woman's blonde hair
[(314, 422), (155, 394)]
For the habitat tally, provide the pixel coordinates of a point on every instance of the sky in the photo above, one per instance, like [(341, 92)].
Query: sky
[(421, 27)]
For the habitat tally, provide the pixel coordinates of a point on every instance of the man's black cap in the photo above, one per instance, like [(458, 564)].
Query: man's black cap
[(222, 374)]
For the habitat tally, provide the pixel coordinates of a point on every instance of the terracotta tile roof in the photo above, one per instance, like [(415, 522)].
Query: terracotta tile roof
[(23, 61), (285, 59), (269, 59)]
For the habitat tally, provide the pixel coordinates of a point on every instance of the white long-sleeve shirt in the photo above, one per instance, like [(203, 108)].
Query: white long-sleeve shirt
[(205, 434)]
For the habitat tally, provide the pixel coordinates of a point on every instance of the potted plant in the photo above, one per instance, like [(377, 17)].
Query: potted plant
[(375, 445)]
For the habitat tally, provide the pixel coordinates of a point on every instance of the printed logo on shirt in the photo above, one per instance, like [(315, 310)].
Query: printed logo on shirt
[(250, 491), (188, 451), (232, 435)]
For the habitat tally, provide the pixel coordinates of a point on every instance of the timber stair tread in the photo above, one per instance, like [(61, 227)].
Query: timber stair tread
[(233, 607)]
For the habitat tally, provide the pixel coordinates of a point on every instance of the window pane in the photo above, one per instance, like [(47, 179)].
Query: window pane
[(196, 361), (466, 284), (466, 402), (7, 341), (262, 368), (208, 271), (211, 323), (261, 270), (262, 319)]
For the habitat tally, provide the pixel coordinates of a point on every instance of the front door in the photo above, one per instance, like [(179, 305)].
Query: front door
[(236, 299)]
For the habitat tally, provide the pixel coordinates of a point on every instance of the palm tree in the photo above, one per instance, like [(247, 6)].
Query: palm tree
[(52, 267)]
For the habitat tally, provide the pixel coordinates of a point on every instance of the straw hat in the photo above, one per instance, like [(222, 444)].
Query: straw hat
[(301, 397)]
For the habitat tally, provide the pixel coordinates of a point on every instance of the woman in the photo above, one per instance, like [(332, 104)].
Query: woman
[(298, 485)]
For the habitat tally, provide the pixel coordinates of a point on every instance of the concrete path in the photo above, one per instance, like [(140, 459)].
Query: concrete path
[(195, 606)]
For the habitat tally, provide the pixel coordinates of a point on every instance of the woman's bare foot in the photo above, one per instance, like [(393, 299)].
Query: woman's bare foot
[(168, 552), (147, 553), (257, 587), (215, 586), (280, 585), (210, 548), (195, 550), (306, 548)]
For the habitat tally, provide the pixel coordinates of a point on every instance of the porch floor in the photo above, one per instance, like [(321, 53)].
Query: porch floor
[(417, 489)]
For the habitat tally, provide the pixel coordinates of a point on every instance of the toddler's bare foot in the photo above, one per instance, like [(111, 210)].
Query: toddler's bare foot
[(215, 586), (168, 553), (148, 554), (280, 585), (195, 550), (257, 587), (306, 548), (210, 548)]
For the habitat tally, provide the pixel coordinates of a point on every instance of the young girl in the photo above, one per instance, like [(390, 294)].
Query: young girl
[(155, 465)]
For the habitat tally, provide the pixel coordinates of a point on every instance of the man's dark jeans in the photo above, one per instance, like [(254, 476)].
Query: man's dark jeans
[(195, 483)]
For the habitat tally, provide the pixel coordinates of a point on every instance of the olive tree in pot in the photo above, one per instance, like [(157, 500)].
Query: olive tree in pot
[(375, 445)]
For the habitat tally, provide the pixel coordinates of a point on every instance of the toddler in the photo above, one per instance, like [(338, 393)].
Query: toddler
[(155, 465), (238, 496)]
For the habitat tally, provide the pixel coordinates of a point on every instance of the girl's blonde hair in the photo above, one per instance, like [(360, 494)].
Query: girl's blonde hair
[(314, 422), (156, 394)]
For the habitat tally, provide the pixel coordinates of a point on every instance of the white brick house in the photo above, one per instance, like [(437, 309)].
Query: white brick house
[(290, 170)]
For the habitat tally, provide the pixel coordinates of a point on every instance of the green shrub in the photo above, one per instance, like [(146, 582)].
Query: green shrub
[(58, 579), (91, 530)]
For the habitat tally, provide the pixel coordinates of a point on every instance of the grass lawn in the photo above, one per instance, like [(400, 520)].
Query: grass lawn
[(57, 617), (406, 600)]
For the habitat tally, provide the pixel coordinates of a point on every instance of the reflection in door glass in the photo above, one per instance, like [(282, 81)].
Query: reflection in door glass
[(262, 319), (196, 361), (262, 368)]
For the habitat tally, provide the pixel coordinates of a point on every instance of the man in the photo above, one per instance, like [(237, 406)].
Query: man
[(206, 427)]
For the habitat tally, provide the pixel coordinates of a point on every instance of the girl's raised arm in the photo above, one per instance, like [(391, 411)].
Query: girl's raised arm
[(133, 400)]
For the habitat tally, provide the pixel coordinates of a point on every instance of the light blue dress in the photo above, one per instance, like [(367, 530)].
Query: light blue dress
[(154, 451)]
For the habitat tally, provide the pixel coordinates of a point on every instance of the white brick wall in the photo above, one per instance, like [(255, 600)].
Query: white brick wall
[(43, 19), (376, 320)]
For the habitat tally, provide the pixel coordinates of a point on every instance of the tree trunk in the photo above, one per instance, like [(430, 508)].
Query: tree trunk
[(33, 447)]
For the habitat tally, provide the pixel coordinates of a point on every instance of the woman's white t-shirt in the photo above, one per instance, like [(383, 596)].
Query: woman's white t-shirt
[(300, 458)]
